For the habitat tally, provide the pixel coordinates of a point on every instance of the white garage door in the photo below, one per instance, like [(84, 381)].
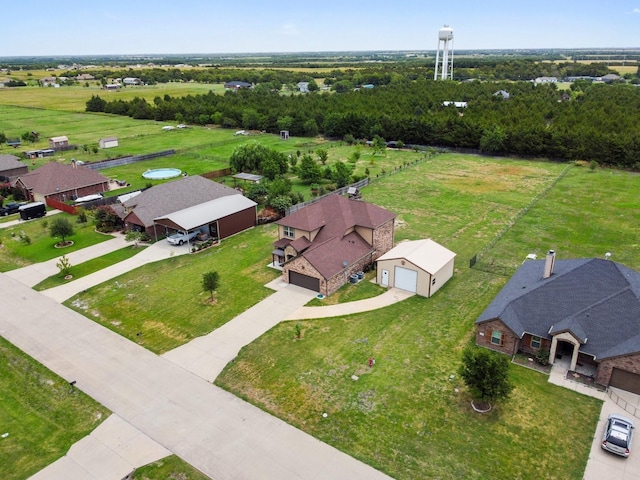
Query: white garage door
[(406, 279)]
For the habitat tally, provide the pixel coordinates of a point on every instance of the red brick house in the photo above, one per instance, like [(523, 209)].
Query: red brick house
[(11, 167), (61, 182), (322, 244), (585, 309)]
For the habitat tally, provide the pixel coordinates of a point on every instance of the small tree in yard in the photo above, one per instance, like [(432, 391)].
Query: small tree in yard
[(64, 266), (486, 375), (210, 282), (134, 236), (61, 227)]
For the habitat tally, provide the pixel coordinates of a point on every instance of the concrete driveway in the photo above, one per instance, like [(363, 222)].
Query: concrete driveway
[(216, 432), (605, 465)]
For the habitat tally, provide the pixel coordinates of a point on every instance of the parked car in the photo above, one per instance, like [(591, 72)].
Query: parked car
[(617, 436), (182, 237), (10, 209)]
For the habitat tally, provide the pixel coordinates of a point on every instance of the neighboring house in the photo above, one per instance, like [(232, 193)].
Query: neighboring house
[(112, 86), (585, 309), (186, 204), (61, 182), (108, 142), (236, 85), (58, 142), (324, 243), (48, 81), (303, 87), (84, 77), (502, 93), (418, 266), (610, 77), (11, 167)]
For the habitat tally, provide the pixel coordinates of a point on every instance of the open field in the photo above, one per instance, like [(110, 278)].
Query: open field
[(40, 415), (74, 98)]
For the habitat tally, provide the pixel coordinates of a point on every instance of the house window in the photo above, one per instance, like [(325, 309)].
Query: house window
[(289, 232), (536, 341), (496, 337)]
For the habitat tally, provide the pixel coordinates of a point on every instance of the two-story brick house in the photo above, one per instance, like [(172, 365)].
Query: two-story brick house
[(321, 245)]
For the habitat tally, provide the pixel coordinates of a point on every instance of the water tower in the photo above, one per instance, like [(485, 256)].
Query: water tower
[(445, 36)]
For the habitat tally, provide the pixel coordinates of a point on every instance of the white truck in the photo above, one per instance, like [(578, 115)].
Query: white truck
[(181, 238)]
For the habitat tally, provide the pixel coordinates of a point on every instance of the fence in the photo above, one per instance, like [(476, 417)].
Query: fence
[(337, 191), (621, 402), (473, 261), (61, 206), (216, 173), (116, 162)]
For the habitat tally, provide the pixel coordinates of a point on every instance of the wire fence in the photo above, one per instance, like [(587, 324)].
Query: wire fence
[(621, 402), (475, 260)]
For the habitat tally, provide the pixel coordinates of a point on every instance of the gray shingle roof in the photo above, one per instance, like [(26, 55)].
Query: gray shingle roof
[(596, 300), (166, 198), (8, 162)]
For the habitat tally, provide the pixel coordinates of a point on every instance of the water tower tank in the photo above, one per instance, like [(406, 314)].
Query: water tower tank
[(445, 33)]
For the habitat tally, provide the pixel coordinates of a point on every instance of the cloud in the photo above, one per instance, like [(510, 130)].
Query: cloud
[(636, 10)]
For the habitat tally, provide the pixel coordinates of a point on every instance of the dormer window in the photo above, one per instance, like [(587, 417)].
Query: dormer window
[(289, 232)]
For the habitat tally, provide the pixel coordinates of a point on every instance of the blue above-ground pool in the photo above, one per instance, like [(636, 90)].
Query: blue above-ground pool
[(161, 173)]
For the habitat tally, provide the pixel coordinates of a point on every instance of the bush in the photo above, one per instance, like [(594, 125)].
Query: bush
[(542, 356)]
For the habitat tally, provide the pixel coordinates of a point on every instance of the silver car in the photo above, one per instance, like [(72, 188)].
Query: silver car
[(617, 436)]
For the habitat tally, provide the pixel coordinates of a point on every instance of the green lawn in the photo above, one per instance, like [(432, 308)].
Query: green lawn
[(165, 302), (39, 413), (90, 266), (169, 468), (16, 252)]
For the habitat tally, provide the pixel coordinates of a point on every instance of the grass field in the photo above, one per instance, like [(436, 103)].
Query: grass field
[(16, 252), (40, 415), (406, 416)]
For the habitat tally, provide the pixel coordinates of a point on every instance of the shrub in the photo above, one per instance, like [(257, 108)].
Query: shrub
[(542, 356)]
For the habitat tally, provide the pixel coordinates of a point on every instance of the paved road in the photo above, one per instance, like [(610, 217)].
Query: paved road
[(217, 433)]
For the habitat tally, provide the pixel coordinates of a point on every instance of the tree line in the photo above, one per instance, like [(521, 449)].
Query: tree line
[(591, 121)]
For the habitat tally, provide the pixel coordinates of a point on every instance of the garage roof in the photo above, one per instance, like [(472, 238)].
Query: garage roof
[(425, 254), (208, 212)]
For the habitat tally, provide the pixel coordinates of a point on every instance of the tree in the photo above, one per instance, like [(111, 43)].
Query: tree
[(61, 227), (486, 374), (323, 155), (341, 174), (95, 104), (309, 170), (379, 145), (210, 282), (134, 236)]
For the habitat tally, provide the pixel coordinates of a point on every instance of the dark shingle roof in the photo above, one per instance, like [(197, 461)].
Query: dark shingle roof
[(596, 300), (170, 197), (8, 162), (56, 177)]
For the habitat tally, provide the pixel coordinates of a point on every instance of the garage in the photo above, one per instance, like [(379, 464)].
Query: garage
[(406, 279), (625, 380), (304, 281)]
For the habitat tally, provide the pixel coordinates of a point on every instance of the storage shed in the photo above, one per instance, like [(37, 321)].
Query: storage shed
[(108, 142), (419, 266)]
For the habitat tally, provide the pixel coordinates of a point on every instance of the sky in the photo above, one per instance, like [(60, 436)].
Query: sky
[(129, 27)]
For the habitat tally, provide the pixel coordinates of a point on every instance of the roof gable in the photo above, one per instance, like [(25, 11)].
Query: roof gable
[(425, 254), (597, 300), (54, 177), (170, 197)]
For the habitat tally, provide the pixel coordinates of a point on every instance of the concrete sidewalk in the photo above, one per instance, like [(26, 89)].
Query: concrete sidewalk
[(33, 274), (153, 253), (216, 432), (111, 451)]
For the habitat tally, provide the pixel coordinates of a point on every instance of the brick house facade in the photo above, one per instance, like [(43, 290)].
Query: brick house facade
[(586, 310), (320, 246)]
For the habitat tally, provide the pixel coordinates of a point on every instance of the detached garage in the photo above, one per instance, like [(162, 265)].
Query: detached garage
[(418, 266)]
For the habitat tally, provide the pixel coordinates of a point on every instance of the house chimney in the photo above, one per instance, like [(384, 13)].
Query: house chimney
[(549, 263)]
